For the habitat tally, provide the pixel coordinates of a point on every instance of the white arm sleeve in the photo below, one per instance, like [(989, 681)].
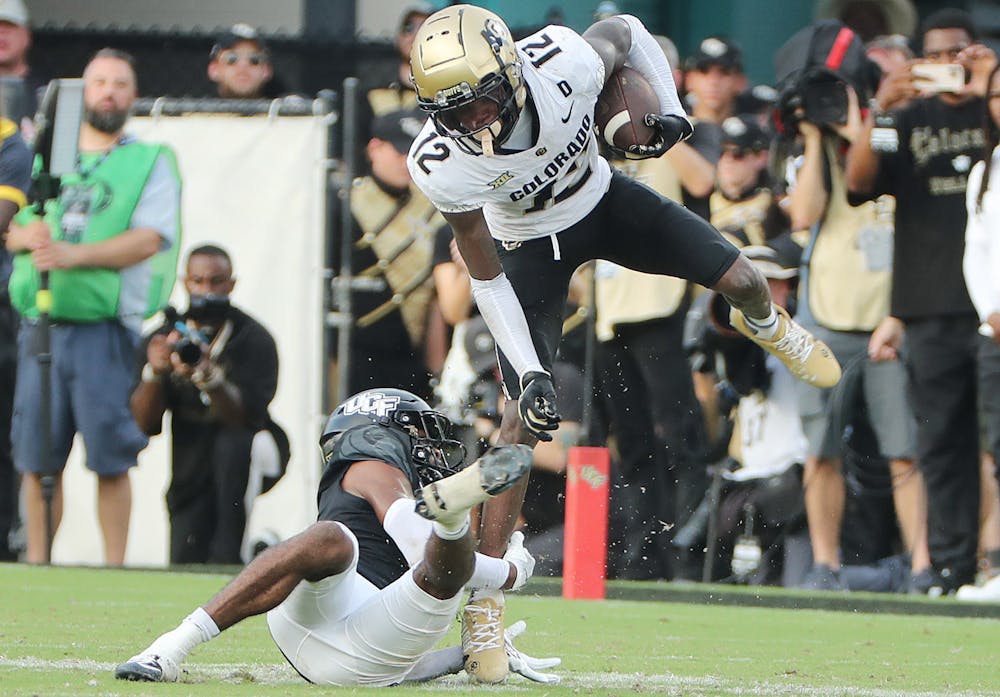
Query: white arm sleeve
[(502, 311), (410, 532), (647, 57), (976, 263)]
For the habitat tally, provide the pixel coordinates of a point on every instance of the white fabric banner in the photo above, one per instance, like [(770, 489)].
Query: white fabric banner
[(256, 187)]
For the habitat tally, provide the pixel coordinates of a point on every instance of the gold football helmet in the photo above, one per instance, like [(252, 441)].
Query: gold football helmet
[(468, 75)]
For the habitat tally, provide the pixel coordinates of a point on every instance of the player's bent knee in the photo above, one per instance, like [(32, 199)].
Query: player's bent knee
[(442, 583), (741, 281), (325, 550)]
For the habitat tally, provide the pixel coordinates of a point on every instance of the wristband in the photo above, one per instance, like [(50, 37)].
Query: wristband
[(150, 376)]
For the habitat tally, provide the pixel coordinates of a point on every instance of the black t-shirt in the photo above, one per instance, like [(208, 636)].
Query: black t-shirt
[(442, 246), (249, 360), (938, 144), (379, 559)]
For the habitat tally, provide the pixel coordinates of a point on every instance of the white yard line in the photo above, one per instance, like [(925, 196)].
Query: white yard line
[(635, 683)]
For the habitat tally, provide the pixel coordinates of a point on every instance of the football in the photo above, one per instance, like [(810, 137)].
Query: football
[(622, 107)]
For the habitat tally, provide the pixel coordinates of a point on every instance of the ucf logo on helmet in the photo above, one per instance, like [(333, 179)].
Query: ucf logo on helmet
[(371, 403)]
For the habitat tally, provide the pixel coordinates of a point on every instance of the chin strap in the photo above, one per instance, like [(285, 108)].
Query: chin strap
[(487, 143)]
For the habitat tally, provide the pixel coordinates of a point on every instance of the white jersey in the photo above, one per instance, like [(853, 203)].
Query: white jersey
[(769, 429), (551, 185)]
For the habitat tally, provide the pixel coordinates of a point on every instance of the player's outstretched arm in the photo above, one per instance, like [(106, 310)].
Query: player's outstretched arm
[(502, 311)]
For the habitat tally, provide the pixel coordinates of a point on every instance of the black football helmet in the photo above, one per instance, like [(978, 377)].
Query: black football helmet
[(434, 453)]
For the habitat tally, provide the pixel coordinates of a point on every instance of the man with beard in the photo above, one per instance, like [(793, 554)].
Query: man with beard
[(216, 372), (109, 246)]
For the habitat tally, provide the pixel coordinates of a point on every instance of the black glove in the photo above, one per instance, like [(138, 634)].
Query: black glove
[(537, 404), (671, 130)]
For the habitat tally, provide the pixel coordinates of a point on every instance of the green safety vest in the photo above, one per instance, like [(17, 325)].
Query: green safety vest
[(116, 183)]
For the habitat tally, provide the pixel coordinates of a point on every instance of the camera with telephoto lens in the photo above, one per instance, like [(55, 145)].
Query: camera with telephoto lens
[(818, 96), (188, 347)]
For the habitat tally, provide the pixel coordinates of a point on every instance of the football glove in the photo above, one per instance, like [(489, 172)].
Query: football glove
[(537, 404), (518, 555), (525, 665), (671, 130)]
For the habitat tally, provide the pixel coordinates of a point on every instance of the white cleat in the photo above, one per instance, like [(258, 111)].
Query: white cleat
[(148, 668), (448, 500)]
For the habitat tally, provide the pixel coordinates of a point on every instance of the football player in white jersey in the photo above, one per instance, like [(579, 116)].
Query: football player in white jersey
[(510, 158)]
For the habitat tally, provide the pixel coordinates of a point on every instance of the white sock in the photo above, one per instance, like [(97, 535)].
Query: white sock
[(452, 533), (764, 328), (197, 628)]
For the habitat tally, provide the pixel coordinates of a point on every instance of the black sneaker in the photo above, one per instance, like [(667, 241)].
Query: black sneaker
[(822, 578)]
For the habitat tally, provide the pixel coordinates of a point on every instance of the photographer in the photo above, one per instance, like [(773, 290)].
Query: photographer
[(923, 153), (216, 370), (850, 243)]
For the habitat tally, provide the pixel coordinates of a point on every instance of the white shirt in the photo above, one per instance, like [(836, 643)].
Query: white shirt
[(981, 262), (525, 195), (770, 429)]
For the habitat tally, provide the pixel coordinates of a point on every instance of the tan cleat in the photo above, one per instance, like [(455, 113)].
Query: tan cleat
[(483, 641), (808, 358)]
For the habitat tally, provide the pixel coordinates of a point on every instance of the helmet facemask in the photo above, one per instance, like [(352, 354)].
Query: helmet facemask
[(434, 453)]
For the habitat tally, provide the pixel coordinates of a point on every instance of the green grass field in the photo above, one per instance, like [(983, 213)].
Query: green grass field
[(62, 630)]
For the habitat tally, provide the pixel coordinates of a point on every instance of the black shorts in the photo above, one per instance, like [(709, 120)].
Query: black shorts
[(632, 226)]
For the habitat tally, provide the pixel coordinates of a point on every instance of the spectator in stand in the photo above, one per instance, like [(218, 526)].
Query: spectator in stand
[(742, 204), (924, 153), (645, 377), (240, 65), (890, 52), (394, 227), (20, 98), (226, 450), (109, 246), (15, 180), (852, 243), (400, 93), (981, 264), (767, 447), (714, 79)]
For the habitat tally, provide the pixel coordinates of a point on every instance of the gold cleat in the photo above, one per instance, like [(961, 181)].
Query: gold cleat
[(483, 640), (808, 358)]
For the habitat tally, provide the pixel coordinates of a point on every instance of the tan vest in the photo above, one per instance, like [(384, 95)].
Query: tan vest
[(746, 216), (623, 295), (386, 99), (401, 233), (850, 262)]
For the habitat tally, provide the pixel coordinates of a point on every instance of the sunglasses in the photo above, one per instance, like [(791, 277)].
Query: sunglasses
[(233, 57)]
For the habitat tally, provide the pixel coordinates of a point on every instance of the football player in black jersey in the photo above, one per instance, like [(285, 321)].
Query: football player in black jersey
[(363, 595)]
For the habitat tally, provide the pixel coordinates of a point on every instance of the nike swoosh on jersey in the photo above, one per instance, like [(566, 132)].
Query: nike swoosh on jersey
[(570, 113)]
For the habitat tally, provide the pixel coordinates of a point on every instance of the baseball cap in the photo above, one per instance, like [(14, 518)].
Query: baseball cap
[(779, 259), (716, 50), (399, 128), (14, 11), (235, 34), (744, 132)]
